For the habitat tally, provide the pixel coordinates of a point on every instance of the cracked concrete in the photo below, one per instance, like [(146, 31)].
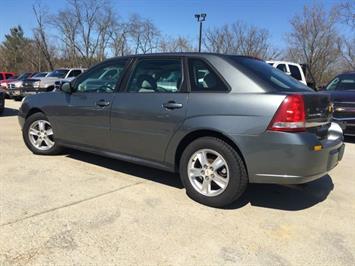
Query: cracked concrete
[(82, 209)]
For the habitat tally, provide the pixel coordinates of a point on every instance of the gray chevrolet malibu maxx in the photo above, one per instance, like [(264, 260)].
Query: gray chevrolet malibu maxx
[(221, 121)]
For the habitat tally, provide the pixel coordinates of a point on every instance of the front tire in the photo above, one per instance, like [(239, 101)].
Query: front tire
[(213, 173), (39, 136)]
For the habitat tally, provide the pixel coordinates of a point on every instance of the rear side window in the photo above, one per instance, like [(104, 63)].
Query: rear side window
[(203, 78), (295, 72), (262, 73)]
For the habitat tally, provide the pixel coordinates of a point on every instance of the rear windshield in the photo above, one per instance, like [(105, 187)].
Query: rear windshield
[(266, 74)]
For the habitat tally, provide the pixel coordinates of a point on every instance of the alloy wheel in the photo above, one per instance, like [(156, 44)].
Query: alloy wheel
[(41, 135), (208, 172)]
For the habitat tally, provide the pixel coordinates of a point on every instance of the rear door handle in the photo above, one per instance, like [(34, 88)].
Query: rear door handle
[(172, 105), (102, 103)]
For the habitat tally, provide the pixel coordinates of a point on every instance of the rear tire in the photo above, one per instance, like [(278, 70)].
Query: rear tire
[(39, 136), (212, 172)]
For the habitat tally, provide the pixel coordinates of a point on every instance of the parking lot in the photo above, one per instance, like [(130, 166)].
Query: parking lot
[(84, 209)]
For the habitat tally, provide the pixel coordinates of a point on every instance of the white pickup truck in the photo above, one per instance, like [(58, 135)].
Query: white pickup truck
[(293, 69), (35, 86)]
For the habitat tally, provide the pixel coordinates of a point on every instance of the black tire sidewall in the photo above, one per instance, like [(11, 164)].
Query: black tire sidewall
[(37, 116), (237, 174)]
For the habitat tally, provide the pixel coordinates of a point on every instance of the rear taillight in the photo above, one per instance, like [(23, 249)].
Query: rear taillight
[(290, 116)]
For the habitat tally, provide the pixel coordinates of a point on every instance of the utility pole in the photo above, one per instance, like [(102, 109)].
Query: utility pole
[(200, 18)]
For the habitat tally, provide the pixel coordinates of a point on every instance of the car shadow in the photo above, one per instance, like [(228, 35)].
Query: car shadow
[(159, 176), (9, 112), (281, 197), (286, 197)]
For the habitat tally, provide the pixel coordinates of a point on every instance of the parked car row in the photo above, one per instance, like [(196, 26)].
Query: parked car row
[(32, 83)]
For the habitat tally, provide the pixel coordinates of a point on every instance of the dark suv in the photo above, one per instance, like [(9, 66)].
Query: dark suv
[(342, 92), (220, 121)]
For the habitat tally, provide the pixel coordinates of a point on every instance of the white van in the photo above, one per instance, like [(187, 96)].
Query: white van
[(292, 69)]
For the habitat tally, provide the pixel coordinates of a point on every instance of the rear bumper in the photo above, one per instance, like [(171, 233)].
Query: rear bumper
[(290, 158), (334, 156)]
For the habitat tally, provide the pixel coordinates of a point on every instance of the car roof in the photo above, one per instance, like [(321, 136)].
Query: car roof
[(282, 62), (347, 73), (172, 54)]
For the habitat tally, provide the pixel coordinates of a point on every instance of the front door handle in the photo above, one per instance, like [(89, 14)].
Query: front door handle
[(172, 105), (102, 103)]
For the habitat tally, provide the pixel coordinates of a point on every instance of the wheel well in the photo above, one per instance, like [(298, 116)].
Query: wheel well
[(33, 111), (203, 133)]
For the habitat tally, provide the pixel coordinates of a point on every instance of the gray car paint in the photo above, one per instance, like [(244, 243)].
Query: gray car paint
[(136, 127)]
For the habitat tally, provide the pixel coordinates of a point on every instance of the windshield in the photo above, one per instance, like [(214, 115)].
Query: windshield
[(23, 76), (342, 83), (260, 70), (40, 75), (59, 73)]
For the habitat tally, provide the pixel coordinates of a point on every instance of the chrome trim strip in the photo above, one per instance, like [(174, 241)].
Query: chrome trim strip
[(343, 103), (316, 124), (285, 176), (343, 119)]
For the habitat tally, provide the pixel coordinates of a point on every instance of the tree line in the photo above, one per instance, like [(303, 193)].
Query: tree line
[(88, 31)]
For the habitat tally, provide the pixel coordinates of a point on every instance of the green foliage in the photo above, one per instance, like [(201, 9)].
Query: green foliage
[(13, 49)]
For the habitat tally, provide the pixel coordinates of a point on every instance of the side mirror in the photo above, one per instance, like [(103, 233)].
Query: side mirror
[(66, 87)]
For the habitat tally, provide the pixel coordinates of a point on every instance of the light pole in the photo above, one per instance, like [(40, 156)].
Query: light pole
[(200, 18)]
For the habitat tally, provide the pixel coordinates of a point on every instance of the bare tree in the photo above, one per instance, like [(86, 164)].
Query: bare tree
[(239, 38), (346, 44), (119, 39), (144, 35), (313, 41), (40, 35), (178, 44), (346, 13), (85, 26), (221, 40)]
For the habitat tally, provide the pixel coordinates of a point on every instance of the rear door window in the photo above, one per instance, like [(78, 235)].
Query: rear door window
[(203, 78), (156, 75), (295, 72)]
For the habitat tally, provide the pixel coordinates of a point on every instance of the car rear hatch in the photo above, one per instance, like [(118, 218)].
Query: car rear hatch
[(319, 110), (304, 111)]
